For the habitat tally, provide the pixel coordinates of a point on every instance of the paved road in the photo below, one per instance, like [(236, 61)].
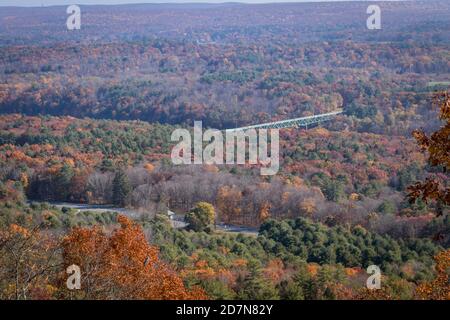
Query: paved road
[(177, 221), (237, 229), (97, 208)]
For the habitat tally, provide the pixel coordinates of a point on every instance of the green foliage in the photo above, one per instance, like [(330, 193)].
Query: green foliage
[(121, 188), (295, 242), (439, 229), (387, 207), (63, 181), (50, 216), (351, 247), (333, 189), (201, 217), (239, 77), (255, 287), (217, 289), (361, 111), (407, 176)]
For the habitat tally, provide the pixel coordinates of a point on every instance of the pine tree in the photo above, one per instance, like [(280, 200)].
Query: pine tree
[(256, 287), (121, 188), (63, 182)]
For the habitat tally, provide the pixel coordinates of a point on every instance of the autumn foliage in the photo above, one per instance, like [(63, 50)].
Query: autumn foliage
[(439, 288), (122, 265), (437, 145), (90, 122), (28, 260)]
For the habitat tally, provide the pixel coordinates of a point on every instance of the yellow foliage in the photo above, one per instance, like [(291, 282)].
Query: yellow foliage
[(354, 197)]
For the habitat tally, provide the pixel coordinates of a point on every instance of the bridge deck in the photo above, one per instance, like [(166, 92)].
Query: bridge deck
[(296, 122)]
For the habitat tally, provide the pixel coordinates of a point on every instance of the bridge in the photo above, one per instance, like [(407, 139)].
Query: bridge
[(296, 122)]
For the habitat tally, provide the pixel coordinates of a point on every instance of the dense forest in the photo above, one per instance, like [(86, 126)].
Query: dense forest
[(226, 74), (86, 117)]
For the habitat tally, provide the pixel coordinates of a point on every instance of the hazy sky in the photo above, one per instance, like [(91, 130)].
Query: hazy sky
[(68, 2)]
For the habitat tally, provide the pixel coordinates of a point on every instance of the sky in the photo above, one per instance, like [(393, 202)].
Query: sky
[(39, 3)]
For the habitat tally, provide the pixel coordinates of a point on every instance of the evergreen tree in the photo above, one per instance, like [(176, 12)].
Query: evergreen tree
[(290, 290), (62, 182), (121, 188), (256, 287)]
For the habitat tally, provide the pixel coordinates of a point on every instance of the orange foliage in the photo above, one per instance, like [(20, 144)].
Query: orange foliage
[(351, 272), (264, 213), (439, 288), (308, 206), (228, 200), (274, 270), (240, 263), (312, 269), (437, 146), (27, 260), (149, 167), (123, 265)]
